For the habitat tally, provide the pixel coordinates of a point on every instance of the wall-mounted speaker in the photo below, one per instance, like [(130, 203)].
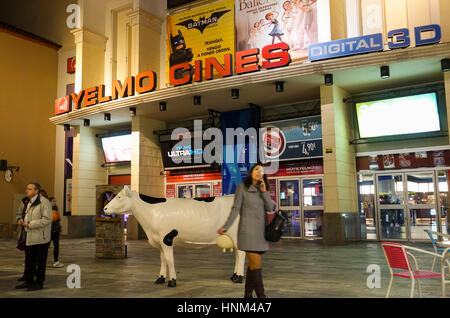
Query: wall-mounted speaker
[(3, 165)]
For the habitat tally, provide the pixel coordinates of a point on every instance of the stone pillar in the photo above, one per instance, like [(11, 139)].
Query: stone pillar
[(338, 21), (146, 164), (90, 55), (145, 41), (87, 154), (443, 20), (86, 174), (340, 221)]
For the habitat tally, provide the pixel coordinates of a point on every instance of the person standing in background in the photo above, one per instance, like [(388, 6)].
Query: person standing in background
[(37, 224), (56, 230)]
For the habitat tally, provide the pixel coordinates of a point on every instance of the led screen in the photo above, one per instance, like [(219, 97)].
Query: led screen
[(117, 148), (397, 116)]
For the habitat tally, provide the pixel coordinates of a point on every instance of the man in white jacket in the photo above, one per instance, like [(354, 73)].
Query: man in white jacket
[(37, 224)]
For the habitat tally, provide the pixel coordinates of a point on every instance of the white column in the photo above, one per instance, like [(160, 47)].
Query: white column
[(87, 172), (90, 54), (323, 20), (353, 12), (372, 14), (145, 42), (146, 164)]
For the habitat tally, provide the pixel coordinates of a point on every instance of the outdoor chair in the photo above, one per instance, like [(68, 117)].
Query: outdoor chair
[(439, 245), (397, 257), (445, 255)]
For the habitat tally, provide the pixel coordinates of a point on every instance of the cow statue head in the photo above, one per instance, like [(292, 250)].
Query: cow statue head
[(121, 203)]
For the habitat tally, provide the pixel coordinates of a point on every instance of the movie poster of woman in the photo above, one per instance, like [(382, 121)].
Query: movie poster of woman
[(260, 23)]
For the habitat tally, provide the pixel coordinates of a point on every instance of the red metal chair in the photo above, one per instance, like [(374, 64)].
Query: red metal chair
[(397, 258)]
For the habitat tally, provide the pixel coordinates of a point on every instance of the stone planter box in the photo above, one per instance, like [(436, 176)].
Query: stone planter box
[(109, 232)]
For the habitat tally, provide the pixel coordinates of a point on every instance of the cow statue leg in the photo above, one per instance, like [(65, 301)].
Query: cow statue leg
[(238, 273), (168, 254), (163, 272)]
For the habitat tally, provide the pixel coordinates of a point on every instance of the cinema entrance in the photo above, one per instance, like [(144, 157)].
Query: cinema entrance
[(297, 191), (301, 202), (401, 205)]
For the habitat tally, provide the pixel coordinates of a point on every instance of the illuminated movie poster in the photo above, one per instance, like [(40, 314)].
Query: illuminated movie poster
[(206, 31), (264, 22)]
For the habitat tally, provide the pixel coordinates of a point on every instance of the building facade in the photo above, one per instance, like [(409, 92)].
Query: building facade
[(358, 89), (27, 139)]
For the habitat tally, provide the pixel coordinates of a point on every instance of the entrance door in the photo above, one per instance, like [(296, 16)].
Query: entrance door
[(301, 202), (407, 205), (202, 190), (312, 207), (289, 202), (391, 207), (442, 181), (421, 204), (185, 191)]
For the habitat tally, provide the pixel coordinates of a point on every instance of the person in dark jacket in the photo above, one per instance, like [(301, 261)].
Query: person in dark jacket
[(56, 230), (252, 201)]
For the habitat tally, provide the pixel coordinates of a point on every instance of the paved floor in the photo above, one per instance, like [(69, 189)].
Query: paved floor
[(291, 269)]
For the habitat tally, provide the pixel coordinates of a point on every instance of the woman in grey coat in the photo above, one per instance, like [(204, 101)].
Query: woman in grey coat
[(252, 202)]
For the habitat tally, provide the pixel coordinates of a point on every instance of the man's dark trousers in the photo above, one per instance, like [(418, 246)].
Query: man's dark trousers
[(35, 262)]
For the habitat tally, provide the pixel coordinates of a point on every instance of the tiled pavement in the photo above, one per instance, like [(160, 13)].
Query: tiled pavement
[(291, 269)]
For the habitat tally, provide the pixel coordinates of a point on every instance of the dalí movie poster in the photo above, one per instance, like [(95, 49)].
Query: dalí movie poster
[(263, 22), (206, 31)]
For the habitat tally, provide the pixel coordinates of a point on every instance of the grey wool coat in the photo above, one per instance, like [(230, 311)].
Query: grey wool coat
[(251, 204)]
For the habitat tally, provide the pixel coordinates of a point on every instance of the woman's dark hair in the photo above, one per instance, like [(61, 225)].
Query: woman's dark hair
[(248, 180)]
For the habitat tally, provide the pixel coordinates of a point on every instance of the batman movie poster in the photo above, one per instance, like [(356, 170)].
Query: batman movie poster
[(206, 31), (264, 22)]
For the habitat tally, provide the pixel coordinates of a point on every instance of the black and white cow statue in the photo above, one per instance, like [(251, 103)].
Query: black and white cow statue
[(189, 221)]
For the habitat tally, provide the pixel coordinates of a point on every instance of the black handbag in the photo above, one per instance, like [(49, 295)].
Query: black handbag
[(274, 229), (21, 242)]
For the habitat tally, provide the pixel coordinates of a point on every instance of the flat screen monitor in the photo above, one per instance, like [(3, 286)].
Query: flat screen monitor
[(117, 148), (398, 116)]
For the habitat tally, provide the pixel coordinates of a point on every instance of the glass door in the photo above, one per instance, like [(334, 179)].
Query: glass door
[(301, 202), (443, 179), (289, 204), (407, 204), (185, 191), (202, 190), (421, 204), (312, 207), (366, 204), (391, 207)]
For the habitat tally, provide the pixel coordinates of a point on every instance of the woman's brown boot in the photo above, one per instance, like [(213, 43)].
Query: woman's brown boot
[(249, 283), (259, 286)]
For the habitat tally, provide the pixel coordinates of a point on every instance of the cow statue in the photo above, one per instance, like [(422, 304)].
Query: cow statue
[(172, 220)]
